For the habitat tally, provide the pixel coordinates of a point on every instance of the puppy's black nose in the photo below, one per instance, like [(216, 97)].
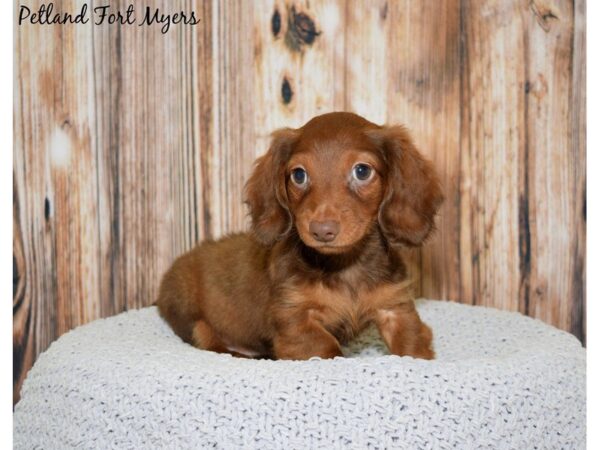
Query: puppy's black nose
[(324, 231)]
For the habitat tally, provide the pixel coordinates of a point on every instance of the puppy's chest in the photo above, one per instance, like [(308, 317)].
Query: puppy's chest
[(347, 310)]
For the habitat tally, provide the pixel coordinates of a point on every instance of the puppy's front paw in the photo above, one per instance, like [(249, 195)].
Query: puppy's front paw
[(422, 347), (405, 334)]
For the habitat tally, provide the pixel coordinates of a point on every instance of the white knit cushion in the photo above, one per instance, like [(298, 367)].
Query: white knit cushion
[(500, 380)]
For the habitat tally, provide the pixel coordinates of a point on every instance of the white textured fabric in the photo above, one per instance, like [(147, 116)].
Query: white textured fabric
[(500, 380)]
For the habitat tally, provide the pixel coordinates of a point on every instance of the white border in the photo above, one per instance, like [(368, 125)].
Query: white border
[(6, 131)]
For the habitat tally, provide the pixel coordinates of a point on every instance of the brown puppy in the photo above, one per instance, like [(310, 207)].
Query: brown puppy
[(332, 203)]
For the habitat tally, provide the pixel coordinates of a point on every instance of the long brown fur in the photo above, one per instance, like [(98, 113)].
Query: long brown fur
[(279, 292)]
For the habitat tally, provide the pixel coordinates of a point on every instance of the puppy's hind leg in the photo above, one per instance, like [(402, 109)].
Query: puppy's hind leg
[(204, 337)]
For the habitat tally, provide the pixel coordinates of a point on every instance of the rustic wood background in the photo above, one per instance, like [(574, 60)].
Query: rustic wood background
[(132, 145)]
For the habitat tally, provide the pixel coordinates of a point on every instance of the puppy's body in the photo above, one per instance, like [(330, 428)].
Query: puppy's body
[(237, 280), (323, 260), (219, 284)]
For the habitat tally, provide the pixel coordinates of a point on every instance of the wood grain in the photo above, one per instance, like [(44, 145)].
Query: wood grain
[(493, 138), (553, 187), (132, 145), (578, 135), (522, 162), (298, 65), (423, 92)]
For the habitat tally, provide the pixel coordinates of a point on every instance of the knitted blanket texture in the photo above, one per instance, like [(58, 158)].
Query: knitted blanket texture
[(500, 380)]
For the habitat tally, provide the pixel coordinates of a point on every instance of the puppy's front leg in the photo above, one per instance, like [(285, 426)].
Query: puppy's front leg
[(403, 332), (301, 335)]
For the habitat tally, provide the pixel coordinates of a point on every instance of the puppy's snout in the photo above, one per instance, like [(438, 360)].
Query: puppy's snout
[(324, 231)]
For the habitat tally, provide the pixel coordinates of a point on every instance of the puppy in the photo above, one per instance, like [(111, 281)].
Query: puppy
[(332, 205)]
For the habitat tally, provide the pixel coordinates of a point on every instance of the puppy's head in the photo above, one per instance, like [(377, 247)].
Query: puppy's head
[(336, 179)]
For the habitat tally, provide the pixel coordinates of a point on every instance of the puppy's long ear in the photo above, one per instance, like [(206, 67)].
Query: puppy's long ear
[(413, 193), (265, 192)]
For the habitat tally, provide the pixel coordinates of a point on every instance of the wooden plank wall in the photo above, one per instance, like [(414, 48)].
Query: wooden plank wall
[(131, 145)]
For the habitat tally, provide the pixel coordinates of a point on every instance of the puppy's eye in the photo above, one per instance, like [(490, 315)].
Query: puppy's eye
[(299, 177), (362, 172)]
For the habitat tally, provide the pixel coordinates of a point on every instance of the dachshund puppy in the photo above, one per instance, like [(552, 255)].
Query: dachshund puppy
[(332, 205)]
